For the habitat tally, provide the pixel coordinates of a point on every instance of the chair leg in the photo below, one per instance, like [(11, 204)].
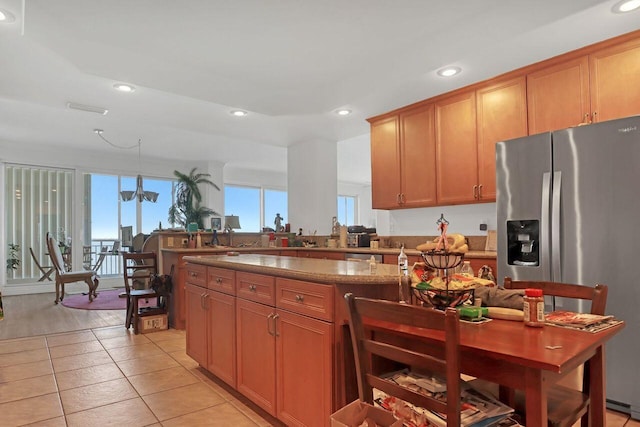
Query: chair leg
[(127, 320), (57, 292), (135, 316)]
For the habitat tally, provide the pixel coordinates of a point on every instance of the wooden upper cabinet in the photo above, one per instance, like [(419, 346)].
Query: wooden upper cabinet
[(502, 115), (615, 81), (418, 157), (456, 149), (385, 163), (558, 96)]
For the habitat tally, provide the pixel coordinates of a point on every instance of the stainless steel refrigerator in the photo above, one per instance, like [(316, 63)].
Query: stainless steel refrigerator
[(568, 207)]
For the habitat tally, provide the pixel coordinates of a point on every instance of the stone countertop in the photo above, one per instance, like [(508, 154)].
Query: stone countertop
[(308, 269), (380, 251)]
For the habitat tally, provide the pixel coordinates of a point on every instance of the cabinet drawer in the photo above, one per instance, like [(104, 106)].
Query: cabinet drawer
[(221, 280), (310, 299), (256, 287), (197, 274)]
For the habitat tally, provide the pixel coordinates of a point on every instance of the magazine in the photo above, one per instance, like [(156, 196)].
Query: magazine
[(477, 409), (570, 318)]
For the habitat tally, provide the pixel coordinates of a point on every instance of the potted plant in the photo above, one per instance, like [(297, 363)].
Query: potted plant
[(187, 207), (13, 261)]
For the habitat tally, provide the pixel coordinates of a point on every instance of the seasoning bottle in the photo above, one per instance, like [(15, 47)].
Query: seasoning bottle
[(533, 307), (372, 265)]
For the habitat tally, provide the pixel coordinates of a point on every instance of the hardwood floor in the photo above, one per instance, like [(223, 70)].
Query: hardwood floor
[(36, 314)]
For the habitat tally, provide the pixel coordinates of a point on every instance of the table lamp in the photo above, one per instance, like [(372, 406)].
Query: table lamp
[(231, 222)]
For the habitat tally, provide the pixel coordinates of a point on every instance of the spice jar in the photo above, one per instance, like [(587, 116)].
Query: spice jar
[(533, 307)]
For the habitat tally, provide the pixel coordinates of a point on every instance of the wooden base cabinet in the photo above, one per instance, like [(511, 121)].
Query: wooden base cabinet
[(211, 330), (285, 359)]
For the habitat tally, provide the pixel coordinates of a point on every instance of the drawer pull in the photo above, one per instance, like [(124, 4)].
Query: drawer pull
[(275, 325), (252, 288), (218, 280), (299, 298)]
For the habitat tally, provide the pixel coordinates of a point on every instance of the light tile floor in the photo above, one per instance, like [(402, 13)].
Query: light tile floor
[(109, 376)]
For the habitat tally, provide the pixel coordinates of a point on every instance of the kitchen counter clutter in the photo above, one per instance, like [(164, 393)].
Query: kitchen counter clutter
[(275, 327)]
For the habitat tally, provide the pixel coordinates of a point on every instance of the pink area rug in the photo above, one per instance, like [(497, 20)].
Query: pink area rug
[(106, 300)]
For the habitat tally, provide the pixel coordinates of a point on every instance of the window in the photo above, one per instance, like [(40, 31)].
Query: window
[(256, 207), (346, 210)]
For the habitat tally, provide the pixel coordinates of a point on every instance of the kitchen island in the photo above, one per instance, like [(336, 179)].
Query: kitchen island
[(275, 328)]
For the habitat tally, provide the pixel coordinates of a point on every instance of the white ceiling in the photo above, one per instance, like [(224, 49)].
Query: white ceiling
[(289, 63)]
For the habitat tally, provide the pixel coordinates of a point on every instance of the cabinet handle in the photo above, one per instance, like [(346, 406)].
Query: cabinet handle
[(218, 280), (594, 117), (299, 298), (475, 191), (202, 301), (252, 288), (402, 198), (269, 317), (479, 191), (585, 120), (275, 325), (192, 274)]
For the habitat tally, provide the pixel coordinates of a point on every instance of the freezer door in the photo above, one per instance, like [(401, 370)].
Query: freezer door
[(523, 179), (599, 211)]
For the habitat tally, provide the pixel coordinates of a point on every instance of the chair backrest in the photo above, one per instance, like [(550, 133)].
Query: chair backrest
[(597, 294), (100, 259), (139, 267), (369, 349), (55, 254)]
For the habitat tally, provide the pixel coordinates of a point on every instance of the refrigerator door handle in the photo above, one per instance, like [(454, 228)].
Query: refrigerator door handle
[(556, 267), (545, 229)]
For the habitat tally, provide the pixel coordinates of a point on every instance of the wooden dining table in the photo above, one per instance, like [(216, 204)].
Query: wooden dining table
[(522, 357)]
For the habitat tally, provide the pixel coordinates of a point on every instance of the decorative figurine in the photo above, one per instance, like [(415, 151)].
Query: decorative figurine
[(278, 223), (335, 227)]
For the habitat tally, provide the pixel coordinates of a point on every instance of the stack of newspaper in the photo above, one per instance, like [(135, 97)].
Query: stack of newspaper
[(582, 321), (477, 408)]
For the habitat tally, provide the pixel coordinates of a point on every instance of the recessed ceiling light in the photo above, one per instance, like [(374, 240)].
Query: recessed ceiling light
[(626, 6), (123, 87), (343, 112), (6, 17), (449, 71), (239, 113)]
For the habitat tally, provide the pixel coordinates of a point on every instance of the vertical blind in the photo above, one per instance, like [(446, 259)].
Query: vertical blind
[(38, 200)]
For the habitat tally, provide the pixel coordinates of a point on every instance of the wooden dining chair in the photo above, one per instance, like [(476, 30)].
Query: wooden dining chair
[(46, 270), (371, 348), (566, 404), (138, 270), (63, 276)]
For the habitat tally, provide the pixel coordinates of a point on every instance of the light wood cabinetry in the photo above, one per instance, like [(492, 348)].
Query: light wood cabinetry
[(403, 159), (592, 84), (210, 316), (456, 149), (385, 163), (285, 334), (501, 115), (585, 89)]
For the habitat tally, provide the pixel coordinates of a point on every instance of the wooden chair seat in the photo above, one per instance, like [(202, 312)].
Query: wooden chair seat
[(63, 276)]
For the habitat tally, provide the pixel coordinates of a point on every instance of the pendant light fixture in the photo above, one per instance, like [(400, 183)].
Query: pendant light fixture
[(139, 192)]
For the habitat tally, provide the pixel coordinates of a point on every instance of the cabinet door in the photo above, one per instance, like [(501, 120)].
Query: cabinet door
[(256, 353), (615, 79), (385, 164), (222, 336), (558, 96), (502, 115), (456, 149), (418, 157), (305, 370), (196, 316)]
